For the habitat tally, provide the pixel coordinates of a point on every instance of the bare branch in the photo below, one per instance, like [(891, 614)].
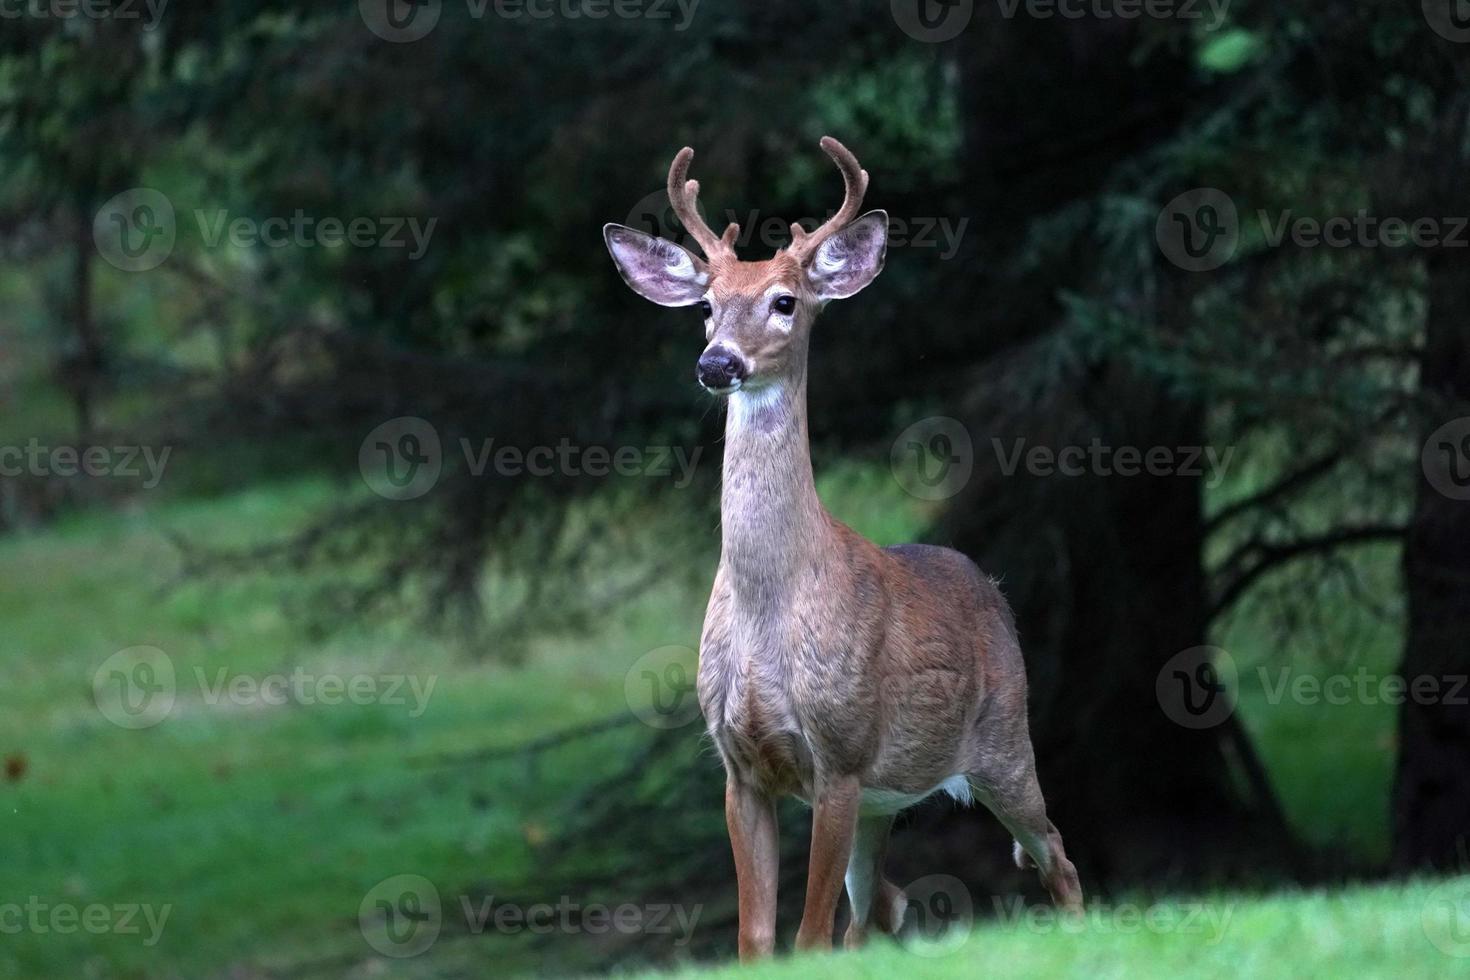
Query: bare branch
[(1270, 555)]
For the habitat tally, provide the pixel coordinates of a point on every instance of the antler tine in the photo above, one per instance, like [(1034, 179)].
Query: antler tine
[(684, 195), (855, 185)]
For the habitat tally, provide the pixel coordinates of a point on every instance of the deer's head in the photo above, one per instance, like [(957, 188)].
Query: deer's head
[(757, 315)]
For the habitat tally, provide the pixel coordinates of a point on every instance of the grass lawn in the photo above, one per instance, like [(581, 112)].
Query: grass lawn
[(1360, 932), (261, 828), (251, 819)]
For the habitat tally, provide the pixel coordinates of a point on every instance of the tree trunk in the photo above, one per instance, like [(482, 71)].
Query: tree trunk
[(1431, 791), (1106, 575), (83, 368), (1106, 571)]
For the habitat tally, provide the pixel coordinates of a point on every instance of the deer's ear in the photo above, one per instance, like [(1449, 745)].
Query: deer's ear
[(656, 268), (850, 258)]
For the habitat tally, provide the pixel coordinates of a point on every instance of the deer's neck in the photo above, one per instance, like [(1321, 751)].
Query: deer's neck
[(772, 523)]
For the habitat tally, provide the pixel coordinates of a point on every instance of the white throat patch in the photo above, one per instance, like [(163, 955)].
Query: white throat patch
[(757, 408)]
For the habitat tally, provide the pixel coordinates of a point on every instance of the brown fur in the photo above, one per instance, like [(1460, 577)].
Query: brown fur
[(831, 669), (826, 659)]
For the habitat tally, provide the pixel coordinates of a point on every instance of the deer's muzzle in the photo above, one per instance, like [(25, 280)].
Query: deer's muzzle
[(720, 369)]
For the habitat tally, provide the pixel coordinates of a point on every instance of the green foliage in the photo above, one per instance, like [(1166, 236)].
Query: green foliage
[(1230, 51)]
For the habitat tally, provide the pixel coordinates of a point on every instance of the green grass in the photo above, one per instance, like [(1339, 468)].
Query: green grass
[(1330, 757), (256, 820), (1359, 932)]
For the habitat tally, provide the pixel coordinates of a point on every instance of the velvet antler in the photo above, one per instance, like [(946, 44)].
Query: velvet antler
[(855, 185), (684, 196)]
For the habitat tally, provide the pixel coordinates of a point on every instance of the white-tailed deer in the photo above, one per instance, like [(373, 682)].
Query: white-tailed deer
[(861, 679)]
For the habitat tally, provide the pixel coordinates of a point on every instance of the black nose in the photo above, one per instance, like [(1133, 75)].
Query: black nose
[(719, 368)]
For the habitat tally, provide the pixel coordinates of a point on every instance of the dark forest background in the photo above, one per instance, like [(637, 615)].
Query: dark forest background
[(1047, 286)]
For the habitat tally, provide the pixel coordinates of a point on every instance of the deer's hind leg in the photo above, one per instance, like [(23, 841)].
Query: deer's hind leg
[(875, 901), (1014, 796)]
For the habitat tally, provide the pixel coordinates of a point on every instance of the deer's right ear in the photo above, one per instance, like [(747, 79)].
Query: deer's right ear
[(656, 268)]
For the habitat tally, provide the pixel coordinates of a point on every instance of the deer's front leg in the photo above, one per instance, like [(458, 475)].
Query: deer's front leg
[(834, 822), (751, 818)]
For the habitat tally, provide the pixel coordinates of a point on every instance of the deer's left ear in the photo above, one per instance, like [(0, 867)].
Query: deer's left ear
[(656, 268), (850, 258)]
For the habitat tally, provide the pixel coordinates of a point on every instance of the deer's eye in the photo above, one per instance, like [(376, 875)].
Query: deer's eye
[(705, 310), (784, 305)]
